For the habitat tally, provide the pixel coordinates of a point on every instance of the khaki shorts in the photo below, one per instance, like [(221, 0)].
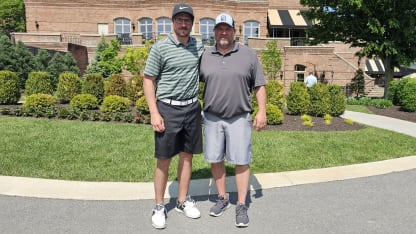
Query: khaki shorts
[(227, 139)]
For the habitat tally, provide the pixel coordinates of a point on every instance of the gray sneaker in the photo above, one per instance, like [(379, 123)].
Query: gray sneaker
[(241, 217), (221, 205)]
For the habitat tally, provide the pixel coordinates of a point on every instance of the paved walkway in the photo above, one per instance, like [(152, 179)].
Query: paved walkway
[(376, 197)]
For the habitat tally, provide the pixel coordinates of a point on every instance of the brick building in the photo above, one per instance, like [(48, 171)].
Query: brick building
[(61, 24)]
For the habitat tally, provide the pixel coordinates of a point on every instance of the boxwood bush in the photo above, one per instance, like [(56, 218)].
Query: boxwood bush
[(94, 84), (9, 87), (298, 100), (84, 102), (115, 103), (69, 85), (141, 106), (337, 100), (116, 86), (275, 94), (39, 100), (38, 82), (320, 100), (135, 88)]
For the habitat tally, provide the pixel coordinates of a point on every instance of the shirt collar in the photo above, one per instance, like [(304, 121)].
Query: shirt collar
[(235, 49), (177, 43)]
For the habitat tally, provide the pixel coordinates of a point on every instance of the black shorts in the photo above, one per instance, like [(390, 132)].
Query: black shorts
[(183, 130)]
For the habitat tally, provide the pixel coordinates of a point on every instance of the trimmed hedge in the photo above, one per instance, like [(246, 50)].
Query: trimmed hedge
[(38, 82), (9, 88)]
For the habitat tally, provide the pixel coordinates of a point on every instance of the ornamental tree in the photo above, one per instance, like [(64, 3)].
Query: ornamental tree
[(383, 29)]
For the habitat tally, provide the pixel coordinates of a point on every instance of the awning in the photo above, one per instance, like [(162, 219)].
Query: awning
[(375, 66), (287, 19)]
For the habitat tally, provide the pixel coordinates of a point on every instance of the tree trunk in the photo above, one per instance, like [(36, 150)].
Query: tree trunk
[(388, 75)]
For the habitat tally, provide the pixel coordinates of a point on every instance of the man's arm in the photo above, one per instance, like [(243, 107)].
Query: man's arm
[(149, 93), (260, 119)]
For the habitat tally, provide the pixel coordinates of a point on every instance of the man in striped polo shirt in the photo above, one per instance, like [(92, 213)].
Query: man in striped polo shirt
[(171, 85)]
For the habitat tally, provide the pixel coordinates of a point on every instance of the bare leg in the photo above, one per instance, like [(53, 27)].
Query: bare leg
[(161, 179), (184, 175), (218, 173), (242, 176)]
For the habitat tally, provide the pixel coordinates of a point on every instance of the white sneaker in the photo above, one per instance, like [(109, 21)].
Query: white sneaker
[(188, 208), (159, 217)]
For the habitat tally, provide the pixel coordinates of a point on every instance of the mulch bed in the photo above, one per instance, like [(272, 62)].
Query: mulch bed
[(295, 123)]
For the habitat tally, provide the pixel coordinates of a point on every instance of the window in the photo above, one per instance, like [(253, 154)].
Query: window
[(251, 29), (146, 28), (164, 26), (300, 72), (122, 28), (207, 31), (102, 29)]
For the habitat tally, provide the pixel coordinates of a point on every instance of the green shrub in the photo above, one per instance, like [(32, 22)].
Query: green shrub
[(394, 92), (308, 123), (274, 114), (38, 82), (320, 100), (298, 100), (400, 94), (327, 119), (84, 102), (128, 117), (408, 96), (381, 103), (69, 85), (135, 88), (62, 112), (349, 121), (9, 88), (337, 100), (40, 100), (275, 94), (116, 86), (305, 117), (352, 101), (366, 101), (114, 103), (95, 116), (141, 106), (5, 111), (84, 115), (94, 84)]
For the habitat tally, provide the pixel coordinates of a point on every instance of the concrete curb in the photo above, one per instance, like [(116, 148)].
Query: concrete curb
[(58, 189)]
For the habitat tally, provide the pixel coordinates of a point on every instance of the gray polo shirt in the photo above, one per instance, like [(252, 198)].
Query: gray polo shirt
[(229, 80), (175, 68)]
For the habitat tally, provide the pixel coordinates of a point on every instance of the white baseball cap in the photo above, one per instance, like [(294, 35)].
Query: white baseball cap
[(224, 18)]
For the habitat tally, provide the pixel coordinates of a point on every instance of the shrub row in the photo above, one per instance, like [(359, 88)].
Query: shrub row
[(366, 101), (318, 100), (70, 113)]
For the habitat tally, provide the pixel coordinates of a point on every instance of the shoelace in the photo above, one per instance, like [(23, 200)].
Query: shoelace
[(241, 210), (221, 202)]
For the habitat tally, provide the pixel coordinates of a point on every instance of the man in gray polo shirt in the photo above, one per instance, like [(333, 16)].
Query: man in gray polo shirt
[(171, 86), (230, 72)]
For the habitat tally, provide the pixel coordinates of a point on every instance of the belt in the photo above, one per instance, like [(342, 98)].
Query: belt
[(179, 103)]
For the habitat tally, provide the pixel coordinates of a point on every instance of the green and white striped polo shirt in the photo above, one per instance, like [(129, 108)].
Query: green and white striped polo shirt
[(175, 68)]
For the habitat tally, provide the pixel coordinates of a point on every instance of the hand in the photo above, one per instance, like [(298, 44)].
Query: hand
[(260, 121), (157, 122)]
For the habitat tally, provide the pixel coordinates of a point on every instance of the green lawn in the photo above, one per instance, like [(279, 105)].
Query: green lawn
[(101, 151)]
